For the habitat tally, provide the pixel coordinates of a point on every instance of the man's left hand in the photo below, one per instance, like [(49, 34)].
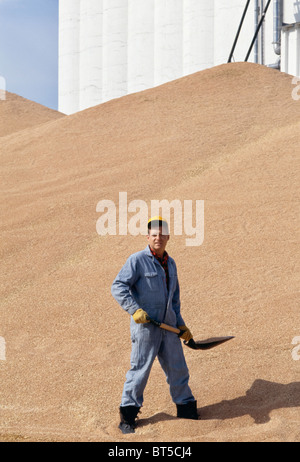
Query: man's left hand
[(187, 335)]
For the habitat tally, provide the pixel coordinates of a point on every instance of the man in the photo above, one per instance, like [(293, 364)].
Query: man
[(147, 285)]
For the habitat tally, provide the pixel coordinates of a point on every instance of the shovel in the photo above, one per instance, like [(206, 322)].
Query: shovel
[(200, 344)]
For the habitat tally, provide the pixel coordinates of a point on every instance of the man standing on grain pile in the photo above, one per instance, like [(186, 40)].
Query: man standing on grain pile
[(147, 285)]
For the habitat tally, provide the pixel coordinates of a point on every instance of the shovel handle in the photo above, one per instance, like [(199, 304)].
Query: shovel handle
[(165, 326)]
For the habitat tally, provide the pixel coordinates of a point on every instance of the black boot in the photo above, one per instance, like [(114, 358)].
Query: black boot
[(188, 410), (128, 418)]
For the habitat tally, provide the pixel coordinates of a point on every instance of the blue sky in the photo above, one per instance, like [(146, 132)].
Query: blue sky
[(29, 49)]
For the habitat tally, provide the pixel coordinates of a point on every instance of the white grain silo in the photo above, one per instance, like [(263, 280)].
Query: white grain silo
[(109, 48), (69, 56)]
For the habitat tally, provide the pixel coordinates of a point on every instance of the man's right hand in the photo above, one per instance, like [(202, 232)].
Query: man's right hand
[(140, 316)]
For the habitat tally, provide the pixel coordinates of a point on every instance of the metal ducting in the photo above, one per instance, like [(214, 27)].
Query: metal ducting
[(277, 25)]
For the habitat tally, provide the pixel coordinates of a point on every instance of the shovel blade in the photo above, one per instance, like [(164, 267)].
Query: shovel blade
[(208, 343)]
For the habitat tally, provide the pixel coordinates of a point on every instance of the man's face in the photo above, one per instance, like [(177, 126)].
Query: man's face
[(157, 240)]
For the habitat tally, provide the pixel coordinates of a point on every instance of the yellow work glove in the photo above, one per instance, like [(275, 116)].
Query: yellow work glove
[(140, 316), (187, 335)]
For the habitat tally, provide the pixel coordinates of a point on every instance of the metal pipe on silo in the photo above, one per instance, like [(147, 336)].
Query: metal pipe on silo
[(256, 19), (277, 24), (238, 32), (262, 36), (258, 29)]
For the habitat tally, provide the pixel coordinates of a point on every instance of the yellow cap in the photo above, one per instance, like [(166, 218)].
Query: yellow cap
[(157, 218), (160, 221)]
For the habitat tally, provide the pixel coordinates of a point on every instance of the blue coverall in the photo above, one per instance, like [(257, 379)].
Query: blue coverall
[(141, 283)]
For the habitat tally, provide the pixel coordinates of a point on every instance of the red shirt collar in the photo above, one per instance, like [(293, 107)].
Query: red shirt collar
[(162, 259)]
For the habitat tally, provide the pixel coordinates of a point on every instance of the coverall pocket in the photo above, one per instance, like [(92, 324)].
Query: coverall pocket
[(152, 281)]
